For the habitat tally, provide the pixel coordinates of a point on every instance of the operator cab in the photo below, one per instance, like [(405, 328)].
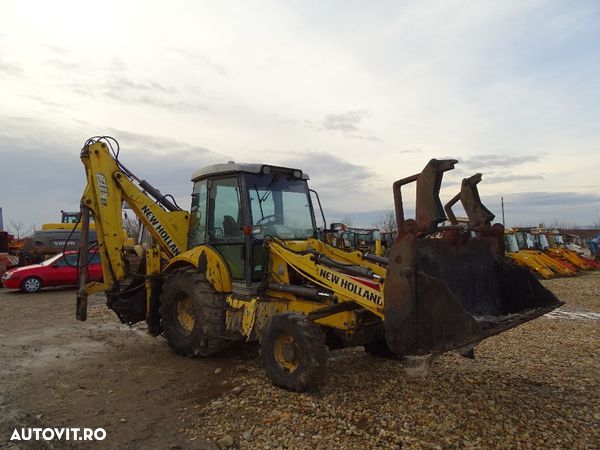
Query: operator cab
[(70, 216), (235, 206)]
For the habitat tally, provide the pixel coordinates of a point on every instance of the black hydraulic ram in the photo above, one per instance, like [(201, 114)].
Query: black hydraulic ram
[(303, 291), (346, 268), (162, 199), (376, 259)]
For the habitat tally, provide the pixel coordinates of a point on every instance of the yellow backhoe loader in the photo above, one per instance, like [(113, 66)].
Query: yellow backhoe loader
[(248, 263), (342, 236), (525, 258), (554, 245), (527, 249)]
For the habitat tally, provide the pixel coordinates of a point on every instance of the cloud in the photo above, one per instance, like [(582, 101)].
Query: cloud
[(44, 102), (60, 50), (331, 173), (200, 58), (363, 137), (340, 184), (555, 199), (118, 64), (475, 80), (8, 68), (63, 64), (532, 208), (166, 163), (46, 174), (150, 144), (493, 161), (406, 152), (348, 121), (133, 92), (508, 178), (120, 85), (521, 208), (148, 93)]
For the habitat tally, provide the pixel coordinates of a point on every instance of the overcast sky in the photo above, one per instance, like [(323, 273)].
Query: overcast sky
[(357, 94)]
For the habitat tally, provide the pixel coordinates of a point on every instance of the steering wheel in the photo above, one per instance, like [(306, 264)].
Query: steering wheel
[(266, 219)]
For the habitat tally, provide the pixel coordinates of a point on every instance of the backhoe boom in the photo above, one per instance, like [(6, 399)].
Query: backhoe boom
[(109, 186)]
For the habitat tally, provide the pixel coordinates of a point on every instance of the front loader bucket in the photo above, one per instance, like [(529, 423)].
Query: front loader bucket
[(456, 295), (444, 294)]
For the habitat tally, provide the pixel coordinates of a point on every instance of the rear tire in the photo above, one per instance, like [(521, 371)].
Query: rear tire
[(294, 352), (31, 285), (192, 314)]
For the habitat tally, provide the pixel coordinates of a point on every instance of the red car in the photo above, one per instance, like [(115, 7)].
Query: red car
[(56, 271)]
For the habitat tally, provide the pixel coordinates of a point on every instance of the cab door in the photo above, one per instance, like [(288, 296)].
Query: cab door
[(226, 222)]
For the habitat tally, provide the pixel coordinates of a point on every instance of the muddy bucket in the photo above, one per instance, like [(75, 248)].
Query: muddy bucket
[(443, 295)]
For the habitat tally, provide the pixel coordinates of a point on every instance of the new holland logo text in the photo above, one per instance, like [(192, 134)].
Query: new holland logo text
[(352, 287), (160, 230)]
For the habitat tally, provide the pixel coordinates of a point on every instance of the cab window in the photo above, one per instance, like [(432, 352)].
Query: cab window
[(197, 230), (225, 223), (226, 220), (280, 205)]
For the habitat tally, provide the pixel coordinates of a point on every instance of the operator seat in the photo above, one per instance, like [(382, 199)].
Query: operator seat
[(230, 226)]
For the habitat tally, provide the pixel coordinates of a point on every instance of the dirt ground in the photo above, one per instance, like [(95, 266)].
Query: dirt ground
[(535, 386), (59, 372)]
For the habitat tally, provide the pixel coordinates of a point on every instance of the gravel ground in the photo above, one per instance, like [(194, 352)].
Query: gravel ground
[(535, 386)]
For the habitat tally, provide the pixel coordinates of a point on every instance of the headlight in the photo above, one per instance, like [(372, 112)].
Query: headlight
[(7, 275)]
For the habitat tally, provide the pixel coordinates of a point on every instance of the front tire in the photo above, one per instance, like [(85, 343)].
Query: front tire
[(192, 314), (31, 285), (294, 352)]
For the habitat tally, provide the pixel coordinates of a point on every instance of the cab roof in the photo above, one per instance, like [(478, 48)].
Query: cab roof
[(233, 167)]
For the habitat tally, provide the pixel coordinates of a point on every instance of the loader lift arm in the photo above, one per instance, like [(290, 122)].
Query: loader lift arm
[(109, 185)]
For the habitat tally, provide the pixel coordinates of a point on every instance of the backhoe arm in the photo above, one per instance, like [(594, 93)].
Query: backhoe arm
[(109, 184)]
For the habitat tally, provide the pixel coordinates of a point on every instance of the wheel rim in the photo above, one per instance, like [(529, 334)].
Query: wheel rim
[(286, 352), (185, 314), (32, 284)]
